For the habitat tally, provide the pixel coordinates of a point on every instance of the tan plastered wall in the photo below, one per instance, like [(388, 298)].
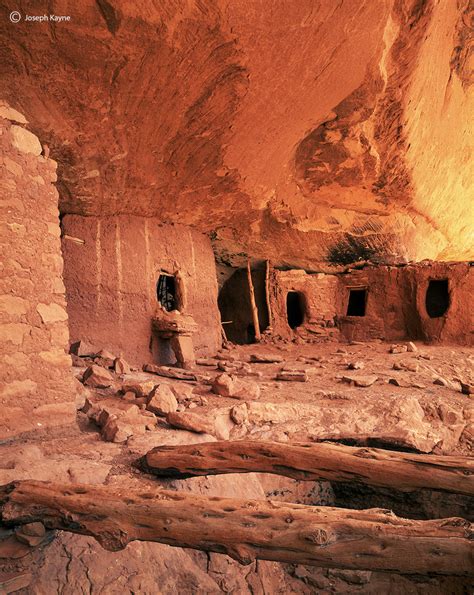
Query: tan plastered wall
[(112, 266)]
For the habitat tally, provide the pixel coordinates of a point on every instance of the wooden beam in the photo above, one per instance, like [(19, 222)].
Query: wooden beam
[(253, 304), (307, 461), (267, 293), (245, 529)]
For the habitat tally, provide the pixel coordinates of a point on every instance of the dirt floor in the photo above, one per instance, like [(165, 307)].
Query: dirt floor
[(426, 413)]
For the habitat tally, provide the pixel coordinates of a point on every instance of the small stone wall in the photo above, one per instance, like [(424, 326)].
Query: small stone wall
[(319, 293), (112, 266), (36, 383)]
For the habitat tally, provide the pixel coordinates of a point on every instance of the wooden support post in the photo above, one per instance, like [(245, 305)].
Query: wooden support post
[(245, 529), (333, 462), (253, 305), (267, 293)]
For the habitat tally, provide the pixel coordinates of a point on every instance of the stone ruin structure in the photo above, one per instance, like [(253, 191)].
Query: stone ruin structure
[(236, 312)]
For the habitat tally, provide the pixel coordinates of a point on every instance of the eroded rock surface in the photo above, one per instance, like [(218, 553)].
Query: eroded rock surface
[(297, 133)]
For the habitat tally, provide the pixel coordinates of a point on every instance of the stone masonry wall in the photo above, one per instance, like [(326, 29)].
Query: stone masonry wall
[(395, 305), (319, 291), (396, 308), (112, 266), (36, 383)]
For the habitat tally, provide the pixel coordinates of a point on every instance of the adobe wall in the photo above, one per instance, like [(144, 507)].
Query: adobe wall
[(390, 304), (457, 326), (112, 266), (36, 383), (395, 306), (396, 303), (320, 293)]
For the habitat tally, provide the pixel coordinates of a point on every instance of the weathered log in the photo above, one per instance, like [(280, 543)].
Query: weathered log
[(305, 461), (253, 303), (245, 529)]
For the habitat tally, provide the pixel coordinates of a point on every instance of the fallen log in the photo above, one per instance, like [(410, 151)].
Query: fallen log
[(306, 461), (245, 529)]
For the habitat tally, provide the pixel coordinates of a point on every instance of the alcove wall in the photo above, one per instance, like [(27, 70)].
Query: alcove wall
[(112, 266)]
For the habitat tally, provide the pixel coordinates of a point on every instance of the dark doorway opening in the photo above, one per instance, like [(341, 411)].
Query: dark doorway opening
[(437, 298), (357, 302), (235, 308), (250, 333), (166, 292), (295, 308)]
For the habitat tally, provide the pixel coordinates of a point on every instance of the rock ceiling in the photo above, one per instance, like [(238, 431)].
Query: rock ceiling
[(310, 132)]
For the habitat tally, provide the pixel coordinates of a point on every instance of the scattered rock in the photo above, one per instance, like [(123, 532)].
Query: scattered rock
[(292, 376), (141, 388), (467, 388), (266, 358), (105, 358), (449, 416), (361, 381), (239, 413), (168, 372), (117, 430), (358, 365), (183, 392), (204, 361), (129, 396), (236, 388), (226, 357), (78, 362), (162, 400), (398, 349), (118, 419), (411, 347), (83, 349), (440, 381), (399, 382), (191, 421), (97, 377), (355, 577), (233, 367), (121, 366), (223, 424), (410, 366)]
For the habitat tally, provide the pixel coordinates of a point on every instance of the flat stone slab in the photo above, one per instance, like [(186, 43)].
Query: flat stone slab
[(266, 358)]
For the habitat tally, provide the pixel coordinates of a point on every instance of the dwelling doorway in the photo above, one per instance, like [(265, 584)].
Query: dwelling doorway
[(295, 308), (357, 302), (235, 308), (437, 298)]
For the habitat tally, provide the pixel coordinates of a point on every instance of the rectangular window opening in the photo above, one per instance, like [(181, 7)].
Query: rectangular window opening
[(357, 302)]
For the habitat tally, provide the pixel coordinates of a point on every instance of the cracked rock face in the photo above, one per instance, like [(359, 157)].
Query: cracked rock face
[(307, 132)]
